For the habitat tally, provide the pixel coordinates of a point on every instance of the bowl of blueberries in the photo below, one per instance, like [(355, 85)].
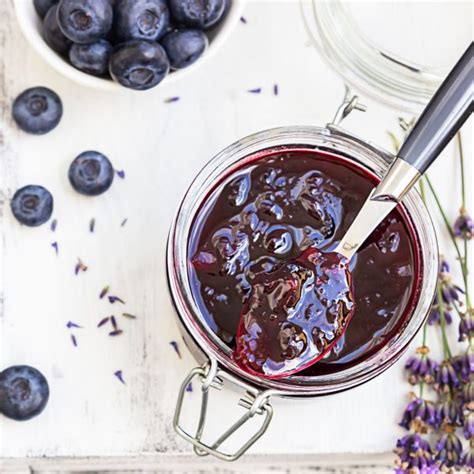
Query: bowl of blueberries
[(136, 44)]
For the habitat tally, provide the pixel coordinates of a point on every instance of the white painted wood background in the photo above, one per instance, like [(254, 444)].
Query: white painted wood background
[(92, 421)]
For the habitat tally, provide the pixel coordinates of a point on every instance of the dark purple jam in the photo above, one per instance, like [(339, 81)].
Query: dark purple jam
[(295, 314), (265, 215)]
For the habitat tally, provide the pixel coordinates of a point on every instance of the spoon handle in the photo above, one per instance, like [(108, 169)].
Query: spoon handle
[(446, 112), (443, 117)]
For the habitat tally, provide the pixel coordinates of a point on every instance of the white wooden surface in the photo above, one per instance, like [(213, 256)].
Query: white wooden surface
[(160, 146)]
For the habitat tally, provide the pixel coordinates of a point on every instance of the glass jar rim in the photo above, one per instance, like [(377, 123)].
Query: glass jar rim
[(337, 141), (377, 72)]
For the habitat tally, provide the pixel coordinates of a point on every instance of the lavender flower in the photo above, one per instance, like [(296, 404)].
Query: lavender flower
[(449, 449), (450, 291), (435, 316), (464, 225), (444, 266), (464, 365), (421, 368), (466, 326), (449, 412), (419, 415), (446, 377), (414, 452), (467, 396), (467, 458), (468, 428)]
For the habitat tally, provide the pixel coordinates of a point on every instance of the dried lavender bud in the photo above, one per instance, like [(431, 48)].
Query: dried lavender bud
[(104, 291), (120, 173), (421, 368), (103, 321), (464, 365), (129, 316), (444, 266), (464, 225), (116, 332), (54, 224), (275, 89), (414, 453), (170, 100), (55, 247), (92, 225), (189, 388), (174, 345), (449, 449), (467, 458), (255, 91), (466, 326), (113, 321), (74, 340), (123, 222), (448, 411), (80, 267), (435, 316), (113, 299), (468, 428), (420, 411), (446, 378), (467, 396), (119, 375), (71, 324), (243, 20)]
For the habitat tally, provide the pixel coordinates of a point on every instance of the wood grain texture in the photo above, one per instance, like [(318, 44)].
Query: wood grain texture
[(92, 418), (258, 464)]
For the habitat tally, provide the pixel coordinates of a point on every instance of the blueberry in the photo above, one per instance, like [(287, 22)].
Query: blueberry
[(85, 21), (140, 19), (32, 205), (92, 58), (197, 13), (42, 6), (184, 47), (91, 173), (139, 64), (24, 392), (37, 110), (52, 34)]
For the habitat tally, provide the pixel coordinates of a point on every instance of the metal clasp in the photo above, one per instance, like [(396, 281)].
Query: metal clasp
[(255, 401), (350, 103)]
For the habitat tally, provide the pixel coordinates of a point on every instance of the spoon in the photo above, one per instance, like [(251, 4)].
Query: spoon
[(444, 115), (298, 311)]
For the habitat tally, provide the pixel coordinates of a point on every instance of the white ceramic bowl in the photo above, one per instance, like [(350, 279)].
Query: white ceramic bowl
[(31, 26)]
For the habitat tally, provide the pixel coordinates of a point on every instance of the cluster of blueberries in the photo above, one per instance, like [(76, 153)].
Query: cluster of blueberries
[(38, 110), (137, 42)]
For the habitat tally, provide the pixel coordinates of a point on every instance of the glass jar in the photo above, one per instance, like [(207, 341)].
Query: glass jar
[(213, 352), (400, 62)]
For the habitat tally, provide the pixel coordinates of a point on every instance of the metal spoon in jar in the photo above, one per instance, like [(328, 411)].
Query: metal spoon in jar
[(297, 312)]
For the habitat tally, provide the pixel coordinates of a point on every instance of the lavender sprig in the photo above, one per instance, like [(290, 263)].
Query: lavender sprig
[(453, 379)]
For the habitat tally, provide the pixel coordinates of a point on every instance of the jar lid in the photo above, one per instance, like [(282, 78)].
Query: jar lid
[(397, 52)]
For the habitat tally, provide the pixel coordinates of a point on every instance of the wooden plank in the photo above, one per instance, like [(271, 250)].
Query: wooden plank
[(274, 464)]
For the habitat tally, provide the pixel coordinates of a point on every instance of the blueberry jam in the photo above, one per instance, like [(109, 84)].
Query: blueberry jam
[(253, 243), (296, 312)]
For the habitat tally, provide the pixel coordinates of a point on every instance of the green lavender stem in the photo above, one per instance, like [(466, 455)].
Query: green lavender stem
[(446, 348), (453, 239), (461, 160), (422, 383)]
